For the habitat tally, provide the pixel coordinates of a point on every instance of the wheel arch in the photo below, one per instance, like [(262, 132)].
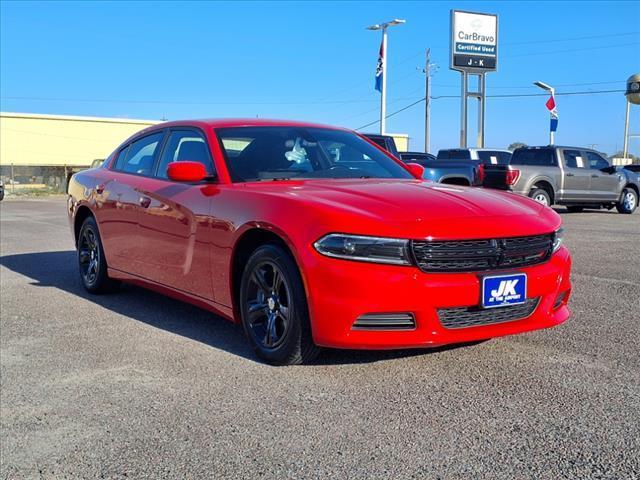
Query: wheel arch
[(455, 180), (252, 237), (543, 184), (633, 186), (82, 213)]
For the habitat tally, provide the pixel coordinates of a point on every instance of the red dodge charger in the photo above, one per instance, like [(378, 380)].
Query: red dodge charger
[(312, 236)]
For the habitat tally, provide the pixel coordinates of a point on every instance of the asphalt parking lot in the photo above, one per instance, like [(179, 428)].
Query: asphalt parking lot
[(138, 385)]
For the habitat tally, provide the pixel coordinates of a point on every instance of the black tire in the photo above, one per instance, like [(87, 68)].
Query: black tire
[(91, 260), (541, 196), (1, 194), (273, 308), (628, 201), (575, 209)]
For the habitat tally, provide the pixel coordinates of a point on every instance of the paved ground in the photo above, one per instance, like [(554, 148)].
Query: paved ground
[(138, 385)]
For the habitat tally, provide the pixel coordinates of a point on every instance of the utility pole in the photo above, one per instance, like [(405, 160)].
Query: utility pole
[(427, 104)]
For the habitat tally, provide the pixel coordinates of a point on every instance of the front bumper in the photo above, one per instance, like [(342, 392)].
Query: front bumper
[(340, 291)]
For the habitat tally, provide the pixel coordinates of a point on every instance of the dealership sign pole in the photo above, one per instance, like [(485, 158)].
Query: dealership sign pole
[(474, 51)]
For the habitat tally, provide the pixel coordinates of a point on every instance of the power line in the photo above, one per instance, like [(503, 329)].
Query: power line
[(586, 37), (593, 92), (571, 50)]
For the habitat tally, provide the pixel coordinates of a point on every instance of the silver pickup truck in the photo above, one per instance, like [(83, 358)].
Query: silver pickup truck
[(573, 176)]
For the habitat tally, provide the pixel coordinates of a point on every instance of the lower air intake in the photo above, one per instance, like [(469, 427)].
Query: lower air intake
[(473, 316), (385, 321)]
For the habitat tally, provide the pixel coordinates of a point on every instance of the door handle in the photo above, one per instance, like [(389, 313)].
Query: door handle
[(594, 175), (570, 175), (144, 202)]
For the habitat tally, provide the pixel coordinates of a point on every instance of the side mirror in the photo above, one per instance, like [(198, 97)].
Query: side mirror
[(186, 171), (415, 169), (609, 169)]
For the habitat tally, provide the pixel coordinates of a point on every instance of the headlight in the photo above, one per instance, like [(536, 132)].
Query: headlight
[(557, 239), (366, 249)]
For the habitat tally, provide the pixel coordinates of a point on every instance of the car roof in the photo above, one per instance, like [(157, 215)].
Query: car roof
[(477, 149), (242, 122), (539, 147)]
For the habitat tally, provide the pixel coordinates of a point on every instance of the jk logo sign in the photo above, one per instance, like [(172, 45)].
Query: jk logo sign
[(504, 290), (506, 287)]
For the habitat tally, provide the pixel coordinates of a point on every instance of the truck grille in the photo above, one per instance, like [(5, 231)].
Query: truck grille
[(462, 317), (477, 255)]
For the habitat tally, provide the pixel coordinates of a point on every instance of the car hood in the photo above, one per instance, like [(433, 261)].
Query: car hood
[(418, 208)]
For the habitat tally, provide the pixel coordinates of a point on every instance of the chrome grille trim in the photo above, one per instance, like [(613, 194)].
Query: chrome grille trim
[(464, 317), (481, 255), (385, 321)]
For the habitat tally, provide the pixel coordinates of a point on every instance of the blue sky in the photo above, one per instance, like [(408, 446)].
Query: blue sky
[(315, 61)]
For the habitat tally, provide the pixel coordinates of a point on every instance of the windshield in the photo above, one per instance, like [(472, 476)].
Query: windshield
[(533, 156), (491, 157), (454, 154), (275, 153)]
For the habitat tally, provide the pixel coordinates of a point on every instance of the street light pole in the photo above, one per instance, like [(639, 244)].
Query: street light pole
[(552, 91), (383, 93), (427, 108)]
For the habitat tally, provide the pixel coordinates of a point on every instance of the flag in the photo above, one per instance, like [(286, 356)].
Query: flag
[(551, 106), (379, 68), (551, 103)]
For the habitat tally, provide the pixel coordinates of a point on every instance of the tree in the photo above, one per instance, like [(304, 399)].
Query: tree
[(515, 145)]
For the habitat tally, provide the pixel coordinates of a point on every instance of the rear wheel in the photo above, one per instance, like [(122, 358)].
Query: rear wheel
[(541, 196), (91, 261), (575, 209), (628, 201), (274, 310)]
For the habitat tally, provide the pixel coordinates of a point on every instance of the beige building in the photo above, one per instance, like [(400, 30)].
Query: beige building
[(39, 150), (42, 151)]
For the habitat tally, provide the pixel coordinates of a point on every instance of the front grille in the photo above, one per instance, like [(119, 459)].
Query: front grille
[(385, 321), (462, 317), (478, 255)]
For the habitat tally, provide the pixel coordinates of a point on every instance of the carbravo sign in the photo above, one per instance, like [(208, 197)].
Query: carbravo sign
[(474, 41)]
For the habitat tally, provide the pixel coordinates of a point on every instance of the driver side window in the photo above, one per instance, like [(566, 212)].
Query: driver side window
[(596, 162), (573, 159)]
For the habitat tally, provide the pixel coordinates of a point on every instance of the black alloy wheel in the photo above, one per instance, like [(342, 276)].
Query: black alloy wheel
[(268, 302), (91, 261), (274, 309)]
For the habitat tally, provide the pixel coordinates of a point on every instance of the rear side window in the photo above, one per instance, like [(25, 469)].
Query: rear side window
[(542, 157), (494, 158), (573, 159), (185, 146), (454, 154), (140, 155), (596, 161)]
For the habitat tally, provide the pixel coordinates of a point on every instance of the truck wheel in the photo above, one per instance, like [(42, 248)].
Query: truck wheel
[(541, 196), (574, 209), (628, 201)]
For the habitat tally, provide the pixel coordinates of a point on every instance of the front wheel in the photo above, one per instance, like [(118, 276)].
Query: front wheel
[(91, 261), (273, 308), (541, 196), (628, 201)]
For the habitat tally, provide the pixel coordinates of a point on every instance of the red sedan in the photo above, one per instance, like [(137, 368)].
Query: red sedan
[(312, 236)]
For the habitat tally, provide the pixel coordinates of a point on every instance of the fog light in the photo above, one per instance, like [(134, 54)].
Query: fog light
[(560, 299)]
